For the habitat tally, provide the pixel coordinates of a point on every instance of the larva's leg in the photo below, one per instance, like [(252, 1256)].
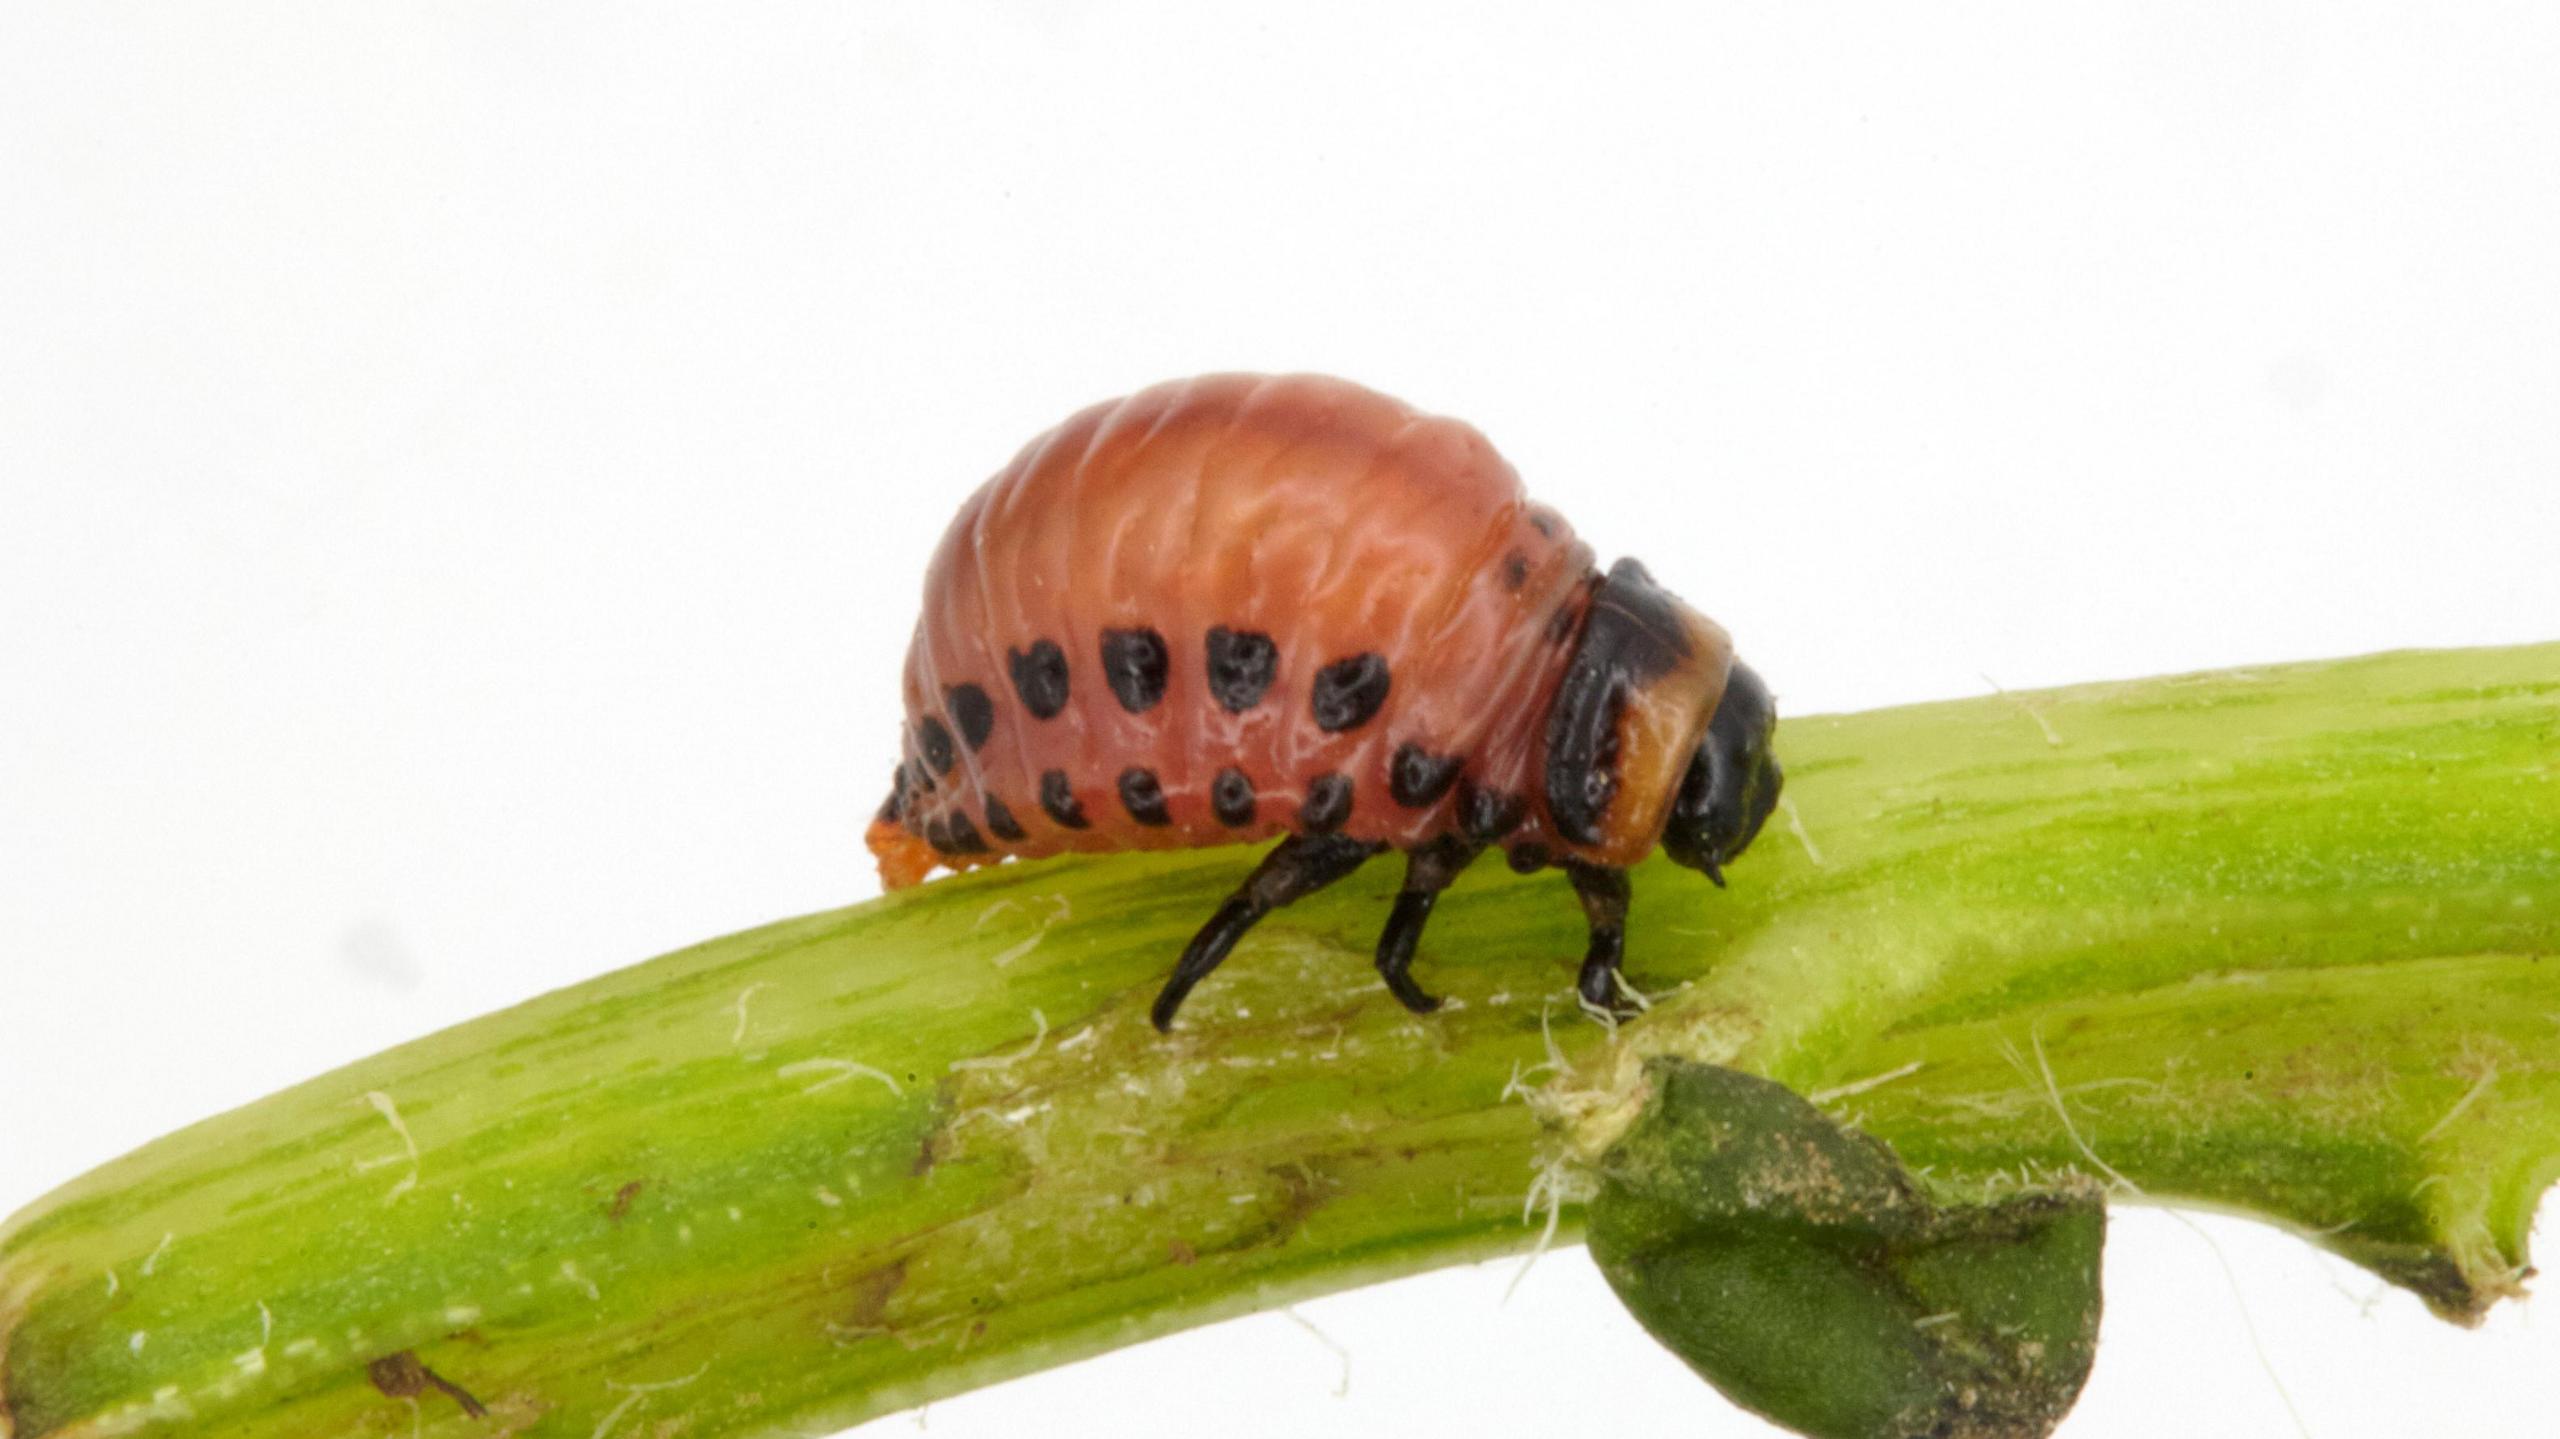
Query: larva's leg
[(1603, 892), (1427, 871), (1297, 867)]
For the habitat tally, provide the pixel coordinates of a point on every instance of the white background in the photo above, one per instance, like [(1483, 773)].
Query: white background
[(468, 472)]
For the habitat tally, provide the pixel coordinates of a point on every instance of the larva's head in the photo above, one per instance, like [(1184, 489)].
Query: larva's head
[(1732, 782)]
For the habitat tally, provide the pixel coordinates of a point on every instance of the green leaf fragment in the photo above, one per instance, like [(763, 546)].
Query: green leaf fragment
[(1799, 1268)]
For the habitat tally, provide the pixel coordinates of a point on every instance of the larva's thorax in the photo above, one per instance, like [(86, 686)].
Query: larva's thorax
[(1231, 607)]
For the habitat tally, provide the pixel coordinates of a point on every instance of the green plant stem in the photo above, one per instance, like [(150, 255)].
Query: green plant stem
[(2282, 941)]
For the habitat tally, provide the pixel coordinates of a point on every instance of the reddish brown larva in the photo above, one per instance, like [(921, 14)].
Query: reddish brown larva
[(1235, 607)]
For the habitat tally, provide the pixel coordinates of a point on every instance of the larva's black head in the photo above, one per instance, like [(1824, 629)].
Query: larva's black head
[(1731, 785)]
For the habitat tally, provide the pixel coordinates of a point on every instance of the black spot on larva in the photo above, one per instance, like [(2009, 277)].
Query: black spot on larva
[(1348, 692), (1327, 805), (933, 741), (1242, 664), (919, 779), (951, 833), (1543, 523), (894, 808), (1142, 796), (1417, 777), (1040, 678), (972, 711), (1000, 821), (1527, 858), (1058, 800), (1515, 570), (1134, 664), (1231, 798), (1485, 815)]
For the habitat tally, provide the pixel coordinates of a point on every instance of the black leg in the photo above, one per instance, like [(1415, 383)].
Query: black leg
[(1603, 893), (1427, 871), (1297, 867)]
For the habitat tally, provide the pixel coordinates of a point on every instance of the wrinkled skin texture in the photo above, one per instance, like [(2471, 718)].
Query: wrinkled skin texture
[(1236, 607)]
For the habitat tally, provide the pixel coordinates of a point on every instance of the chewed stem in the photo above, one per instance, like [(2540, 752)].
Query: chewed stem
[(2275, 940)]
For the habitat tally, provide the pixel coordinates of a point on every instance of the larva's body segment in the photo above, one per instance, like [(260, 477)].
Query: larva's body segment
[(1236, 607)]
